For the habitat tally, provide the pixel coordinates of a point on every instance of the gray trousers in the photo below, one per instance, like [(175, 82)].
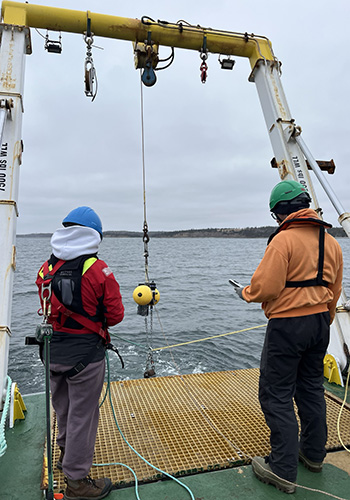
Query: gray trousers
[(75, 401)]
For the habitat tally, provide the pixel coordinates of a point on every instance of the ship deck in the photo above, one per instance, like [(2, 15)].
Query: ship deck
[(201, 428)]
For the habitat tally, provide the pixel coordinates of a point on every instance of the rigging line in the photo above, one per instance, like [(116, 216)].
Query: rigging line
[(209, 338), (145, 225), (340, 412), (241, 454), (143, 153)]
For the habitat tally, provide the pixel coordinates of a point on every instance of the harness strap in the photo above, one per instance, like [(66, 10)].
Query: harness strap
[(79, 367), (83, 320), (47, 274), (318, 281)]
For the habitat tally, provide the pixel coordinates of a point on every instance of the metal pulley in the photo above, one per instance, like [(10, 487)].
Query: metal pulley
[(146, 56), (90, 77), (148, 76)]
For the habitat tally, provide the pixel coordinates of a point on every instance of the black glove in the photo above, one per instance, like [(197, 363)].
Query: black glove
[(239, 290)]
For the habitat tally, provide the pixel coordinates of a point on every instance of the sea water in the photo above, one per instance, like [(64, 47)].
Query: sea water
[(196, 302)]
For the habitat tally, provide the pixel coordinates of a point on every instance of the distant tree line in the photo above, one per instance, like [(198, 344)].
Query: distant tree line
[(246, 232)]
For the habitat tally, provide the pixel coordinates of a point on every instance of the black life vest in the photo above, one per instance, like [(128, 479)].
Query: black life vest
[(66, 285), (66, 299)]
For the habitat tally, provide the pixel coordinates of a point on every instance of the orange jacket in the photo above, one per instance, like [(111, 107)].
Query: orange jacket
[(292, 255)]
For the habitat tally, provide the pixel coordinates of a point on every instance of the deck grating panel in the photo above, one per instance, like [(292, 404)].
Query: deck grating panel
[(170, 420)]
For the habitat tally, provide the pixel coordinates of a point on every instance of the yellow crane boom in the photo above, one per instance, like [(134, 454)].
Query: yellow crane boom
[(180, 35)]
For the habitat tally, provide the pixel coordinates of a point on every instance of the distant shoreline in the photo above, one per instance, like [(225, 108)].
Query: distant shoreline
[(247, 232)]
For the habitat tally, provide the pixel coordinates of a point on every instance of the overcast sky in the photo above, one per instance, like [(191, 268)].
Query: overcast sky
[(207, 147)]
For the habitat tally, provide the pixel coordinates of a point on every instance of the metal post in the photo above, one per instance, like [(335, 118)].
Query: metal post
[(280, 125), (290, 152), (12, 51), (343, 216), (49, 492), (3, 116)]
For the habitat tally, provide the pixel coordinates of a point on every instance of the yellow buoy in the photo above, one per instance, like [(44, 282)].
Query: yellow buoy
[(142, 295), (155, 296)]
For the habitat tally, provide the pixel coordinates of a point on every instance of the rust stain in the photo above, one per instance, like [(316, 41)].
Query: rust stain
[(6, 79), (17, 152), (277, 96), (282, 167)]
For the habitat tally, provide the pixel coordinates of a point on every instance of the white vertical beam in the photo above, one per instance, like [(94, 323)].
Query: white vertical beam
[(280, 125), (290, 153), (12, 62)]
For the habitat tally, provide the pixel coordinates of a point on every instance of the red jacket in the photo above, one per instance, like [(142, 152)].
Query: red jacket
[(98, 285)]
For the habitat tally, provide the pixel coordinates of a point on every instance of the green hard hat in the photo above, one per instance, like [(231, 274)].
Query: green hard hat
[(287, 191)]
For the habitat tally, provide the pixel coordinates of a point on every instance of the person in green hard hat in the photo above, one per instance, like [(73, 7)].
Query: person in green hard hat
[(298, 282)]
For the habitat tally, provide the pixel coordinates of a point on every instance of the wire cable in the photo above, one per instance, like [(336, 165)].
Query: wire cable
[(145, 225)]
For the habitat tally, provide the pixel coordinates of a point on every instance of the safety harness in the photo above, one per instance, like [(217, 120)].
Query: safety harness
[(318, 281), (66, 300), (67, 306)]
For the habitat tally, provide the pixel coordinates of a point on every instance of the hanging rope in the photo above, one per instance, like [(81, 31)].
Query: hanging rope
[(341, 410), (146, 295), (145, 225)]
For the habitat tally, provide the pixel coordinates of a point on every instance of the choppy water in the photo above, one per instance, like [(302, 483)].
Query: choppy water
[(196, 301)]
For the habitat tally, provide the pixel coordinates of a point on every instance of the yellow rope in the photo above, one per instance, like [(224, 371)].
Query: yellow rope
[(208, 338), (340, 412)]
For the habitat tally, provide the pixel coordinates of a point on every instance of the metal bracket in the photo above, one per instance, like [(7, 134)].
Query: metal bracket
[(10, 202), (5, 112), (5, 329)]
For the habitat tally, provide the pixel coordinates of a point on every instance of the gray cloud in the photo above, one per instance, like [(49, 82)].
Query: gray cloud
[(207, 148)]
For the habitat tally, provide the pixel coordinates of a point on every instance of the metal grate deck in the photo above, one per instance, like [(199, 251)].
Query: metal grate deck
[(187, 424)]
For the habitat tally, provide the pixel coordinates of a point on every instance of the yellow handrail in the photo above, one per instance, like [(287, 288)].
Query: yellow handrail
[(173, 35)]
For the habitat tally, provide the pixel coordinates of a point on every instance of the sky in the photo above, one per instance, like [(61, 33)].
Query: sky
[(207, 149)]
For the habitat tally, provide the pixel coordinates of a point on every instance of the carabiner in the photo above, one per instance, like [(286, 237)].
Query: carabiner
[(46, 288), (203, 68)]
